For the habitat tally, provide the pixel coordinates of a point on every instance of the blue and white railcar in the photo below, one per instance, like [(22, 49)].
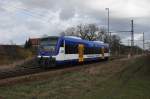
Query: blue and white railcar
[(69, 49)]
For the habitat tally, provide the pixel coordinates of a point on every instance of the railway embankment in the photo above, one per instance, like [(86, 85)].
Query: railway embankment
[(117, 79)]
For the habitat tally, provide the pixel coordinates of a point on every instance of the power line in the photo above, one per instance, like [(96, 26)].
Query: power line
[(30, 13)]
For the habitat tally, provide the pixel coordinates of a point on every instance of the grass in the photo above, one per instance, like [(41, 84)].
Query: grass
[(131, 82)]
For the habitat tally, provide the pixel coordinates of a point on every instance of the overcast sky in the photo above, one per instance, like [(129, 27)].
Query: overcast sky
[(21, 19)]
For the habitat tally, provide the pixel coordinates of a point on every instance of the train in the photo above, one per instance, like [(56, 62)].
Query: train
[(55, 50)]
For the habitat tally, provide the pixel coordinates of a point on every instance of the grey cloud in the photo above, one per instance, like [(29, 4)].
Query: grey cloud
[(66, 7), (67, 13), (42, 10), (40, 4)]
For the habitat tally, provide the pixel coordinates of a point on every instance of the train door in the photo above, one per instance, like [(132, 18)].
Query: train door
[(81, 52), (102, 52)]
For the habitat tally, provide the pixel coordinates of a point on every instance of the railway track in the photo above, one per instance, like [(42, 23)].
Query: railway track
[(26, 70), (19, 72)]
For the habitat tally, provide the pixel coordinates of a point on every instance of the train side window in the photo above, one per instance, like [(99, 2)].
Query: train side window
[(71, 49), (96, 50), (92, 50), (67, 49), (88, 50), (75, 49), (62, 43)]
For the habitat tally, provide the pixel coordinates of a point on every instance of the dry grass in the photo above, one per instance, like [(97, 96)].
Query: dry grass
[(12, 53)]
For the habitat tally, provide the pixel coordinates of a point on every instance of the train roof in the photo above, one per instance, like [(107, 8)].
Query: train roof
[(78, 40), (85, 42)]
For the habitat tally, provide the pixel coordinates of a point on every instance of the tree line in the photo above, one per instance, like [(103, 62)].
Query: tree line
[(93, 32)]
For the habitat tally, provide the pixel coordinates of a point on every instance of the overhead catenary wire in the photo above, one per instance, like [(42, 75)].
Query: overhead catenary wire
[(28, 12)]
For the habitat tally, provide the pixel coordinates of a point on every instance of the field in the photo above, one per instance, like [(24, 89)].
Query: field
[(118, 79)]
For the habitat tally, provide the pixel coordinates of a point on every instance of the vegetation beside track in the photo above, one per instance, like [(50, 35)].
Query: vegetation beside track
[(13, 53), (122, 79)]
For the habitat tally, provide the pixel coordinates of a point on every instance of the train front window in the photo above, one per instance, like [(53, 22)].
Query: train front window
[(48, 44)]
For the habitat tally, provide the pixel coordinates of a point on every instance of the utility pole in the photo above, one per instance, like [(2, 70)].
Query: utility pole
[(109, 33), (143, 43), (132, 37), (107, 20)]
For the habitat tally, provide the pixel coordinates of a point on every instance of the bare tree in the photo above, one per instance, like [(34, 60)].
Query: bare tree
[(81, 31), (89, 32), (69, 32), (101, 34), (115, 44)]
